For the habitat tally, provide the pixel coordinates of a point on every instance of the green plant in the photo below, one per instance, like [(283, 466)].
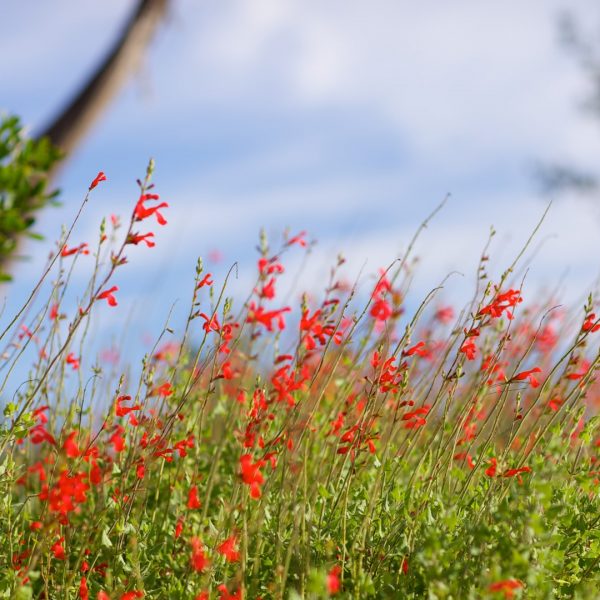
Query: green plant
[(347, 448), (25, 165)]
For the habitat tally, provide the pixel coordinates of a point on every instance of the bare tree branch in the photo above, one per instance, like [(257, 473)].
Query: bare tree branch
[(74, 122)]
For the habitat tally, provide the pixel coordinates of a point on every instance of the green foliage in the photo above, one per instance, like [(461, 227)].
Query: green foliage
[(25, 165)]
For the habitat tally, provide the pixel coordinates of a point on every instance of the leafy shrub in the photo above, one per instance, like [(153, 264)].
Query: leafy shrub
[(25, 165)]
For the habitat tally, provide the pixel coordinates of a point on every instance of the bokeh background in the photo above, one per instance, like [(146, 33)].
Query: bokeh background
[(350, 120)]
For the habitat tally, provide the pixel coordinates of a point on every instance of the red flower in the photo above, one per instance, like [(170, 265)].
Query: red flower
[(84, 593), (469, 349), (206, 280), (333, 580), (73, 361), (381, 310), (444, 314), (131, 595), (39, 434), (163, 390), (53, 312), (491, 470), (251, 474), (58, 549), (141, 212), (467, 457), (70, 446), (122, 411), (136, 238), (413, 419), (81, 249), (257, 314), (528, 375), (193, 501), (225, 595), (108, 296), (418, 349), (117, 440), (100, 177), (229, 549), (513, 472), (298, 239), (66, 492), (591, 324), (198, 559), (501, 303), (507, 586), (178, 527)]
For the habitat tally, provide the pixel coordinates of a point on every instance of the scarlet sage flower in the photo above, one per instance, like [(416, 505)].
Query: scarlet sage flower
[(381, 310), (137, 238), (178, 527), (257, 314), (53, 315), (469, 349), (58, 549), (68, 491), (229, 549), (224, 594), (251, 474), (507, 587), (81, 249), (142, 212), (206, 280), (405, 565), (140, 471), (333, 580), (513, 472), (84, 593), (416, 418), (163, 390), (444, 314), (100, 177), (121, 410), (298, 239), (108, 296), (210, 323), (70, 446), (270, 266), (502, 303), (467, 457), (533, 382), (198, 558), (591, 324), (132, 595), (418, 349), (268, 290), (117, 440), (193, 501), (38, 434), (38, 469), (72, 360), (491, 470)]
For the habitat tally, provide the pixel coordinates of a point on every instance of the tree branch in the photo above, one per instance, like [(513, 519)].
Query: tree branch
[(75, 121)]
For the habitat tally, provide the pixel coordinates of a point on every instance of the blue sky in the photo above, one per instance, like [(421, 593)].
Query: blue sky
[(350, 120)]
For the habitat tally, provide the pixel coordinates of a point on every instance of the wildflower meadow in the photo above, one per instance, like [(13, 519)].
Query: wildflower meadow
[(343, 445)]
